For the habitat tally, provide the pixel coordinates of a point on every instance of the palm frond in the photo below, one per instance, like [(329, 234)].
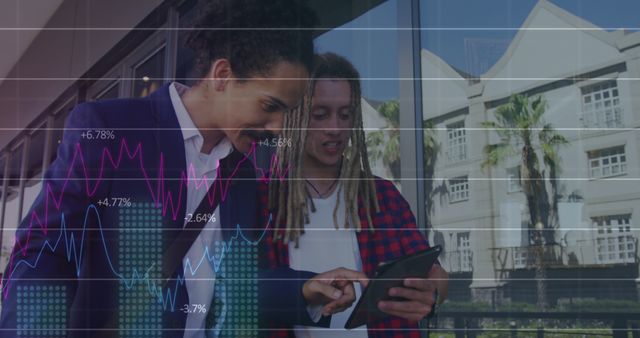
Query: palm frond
[(549, 135), (374, 141), (391, 151), (550, 156), (538, 107), (506, 114), (496, 153), (390, 110), (505, 132)]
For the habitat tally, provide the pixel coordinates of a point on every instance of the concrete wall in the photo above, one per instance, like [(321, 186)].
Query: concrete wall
[(61, 53)]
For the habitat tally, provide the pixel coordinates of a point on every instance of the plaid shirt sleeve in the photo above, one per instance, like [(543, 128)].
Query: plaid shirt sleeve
[(398, 220), (396, 234)]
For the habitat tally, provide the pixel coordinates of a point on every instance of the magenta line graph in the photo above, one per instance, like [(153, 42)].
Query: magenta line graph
[(161, 198)]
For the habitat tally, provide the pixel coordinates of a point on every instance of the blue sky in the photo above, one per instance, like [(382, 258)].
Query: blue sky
[(374, 52)]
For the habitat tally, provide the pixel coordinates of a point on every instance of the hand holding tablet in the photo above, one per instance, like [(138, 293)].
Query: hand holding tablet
[(393, 275)]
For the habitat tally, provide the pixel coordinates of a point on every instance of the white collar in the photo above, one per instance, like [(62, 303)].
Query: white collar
[(189, 129)]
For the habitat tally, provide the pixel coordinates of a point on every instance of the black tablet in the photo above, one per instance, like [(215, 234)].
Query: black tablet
[(388, 275)]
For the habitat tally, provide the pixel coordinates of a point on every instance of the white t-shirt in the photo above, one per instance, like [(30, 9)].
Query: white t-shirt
[(322, 248)]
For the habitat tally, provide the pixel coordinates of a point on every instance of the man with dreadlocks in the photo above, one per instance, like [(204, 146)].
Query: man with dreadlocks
[(331, 211)]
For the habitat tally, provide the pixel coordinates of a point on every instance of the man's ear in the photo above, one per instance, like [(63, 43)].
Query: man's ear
[(220, 74)]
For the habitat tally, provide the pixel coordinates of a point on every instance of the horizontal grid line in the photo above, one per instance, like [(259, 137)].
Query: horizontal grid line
[(576, 78), (322, 129), (331, 279), (506, 179), (547, 330), (318, 28), (333, 229)]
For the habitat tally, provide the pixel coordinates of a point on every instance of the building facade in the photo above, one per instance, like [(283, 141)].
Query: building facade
[(589, 78)]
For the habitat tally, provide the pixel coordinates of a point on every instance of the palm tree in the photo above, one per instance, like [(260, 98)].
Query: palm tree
[(390, 152), (431, 149), (518, 122)]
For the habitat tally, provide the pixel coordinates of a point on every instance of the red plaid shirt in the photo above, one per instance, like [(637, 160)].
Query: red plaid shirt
[(395, 235)]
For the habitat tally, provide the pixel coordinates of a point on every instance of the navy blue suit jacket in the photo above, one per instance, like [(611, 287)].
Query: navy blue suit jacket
[(75, 246)]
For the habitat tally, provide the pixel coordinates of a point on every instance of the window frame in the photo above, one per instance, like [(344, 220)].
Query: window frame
[(465, 252), (461, 182), (113, 78), (597, 118), (607, 239), (156, 42), (460, 148), (620, 158)]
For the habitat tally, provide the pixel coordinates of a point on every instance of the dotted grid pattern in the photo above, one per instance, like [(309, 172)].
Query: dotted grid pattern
[(42, 311), (139, 249), (239, 289)]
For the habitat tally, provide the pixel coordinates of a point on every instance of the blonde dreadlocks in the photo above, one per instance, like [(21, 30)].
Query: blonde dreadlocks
[(290, 196)]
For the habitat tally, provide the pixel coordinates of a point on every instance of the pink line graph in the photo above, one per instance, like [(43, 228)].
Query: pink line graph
[(159, 195)]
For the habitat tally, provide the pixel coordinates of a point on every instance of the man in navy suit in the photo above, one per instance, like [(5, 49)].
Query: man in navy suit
[(82, 253)]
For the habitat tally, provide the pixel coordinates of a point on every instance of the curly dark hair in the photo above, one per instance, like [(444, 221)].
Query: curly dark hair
[(333, 66), (253, 35)]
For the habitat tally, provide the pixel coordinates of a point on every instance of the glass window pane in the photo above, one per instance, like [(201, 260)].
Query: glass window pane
[(185, 56), (36, 147), (58, 127), (14, 166), (11, 217), (113, 92), (11, 220), (374, 33), (488, 63), (149, 75), (31, 191)]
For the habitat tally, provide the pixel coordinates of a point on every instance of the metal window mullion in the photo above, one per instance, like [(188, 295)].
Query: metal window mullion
[(173, 22), (24, 162), (411, 140), (48, 144), (5, 187)]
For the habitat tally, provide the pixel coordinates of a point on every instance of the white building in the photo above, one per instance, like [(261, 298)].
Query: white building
[(589, 78)]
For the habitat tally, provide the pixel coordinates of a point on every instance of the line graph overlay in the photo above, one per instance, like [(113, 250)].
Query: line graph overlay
[(167, 201), (74, 253)]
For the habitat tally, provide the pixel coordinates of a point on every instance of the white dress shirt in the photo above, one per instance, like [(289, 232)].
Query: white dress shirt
[(323, 248), (199, 271)]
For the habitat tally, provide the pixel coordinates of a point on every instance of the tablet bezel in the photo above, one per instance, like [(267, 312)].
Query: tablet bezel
[(385, 274)]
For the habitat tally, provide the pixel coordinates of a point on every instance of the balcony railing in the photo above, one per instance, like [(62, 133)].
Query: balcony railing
[(600, 251)]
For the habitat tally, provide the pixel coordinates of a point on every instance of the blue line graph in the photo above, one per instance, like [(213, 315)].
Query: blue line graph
[(168, 297)]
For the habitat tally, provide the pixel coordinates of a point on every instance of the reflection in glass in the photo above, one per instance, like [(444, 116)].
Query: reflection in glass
[(11, 217), (36, 147), (568, 162), (58, 128), (185, 56), (149, 75), (15, 163), (373, 33), (113, 92), (10, 223), (31, 191)]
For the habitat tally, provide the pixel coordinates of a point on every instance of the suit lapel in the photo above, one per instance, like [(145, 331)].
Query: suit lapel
[(171, 187)]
